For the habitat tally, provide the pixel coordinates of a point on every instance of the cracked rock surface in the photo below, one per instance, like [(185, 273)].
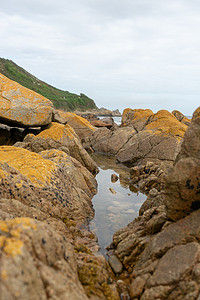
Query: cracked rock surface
[(161, 248), (143, 137)]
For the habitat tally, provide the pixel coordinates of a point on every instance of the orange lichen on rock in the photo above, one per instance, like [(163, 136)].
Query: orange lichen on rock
[(163, 122), (81, 126), (10, 241), (132, 115), (38, 170), (58, 132), (74, 120), (21, 106)]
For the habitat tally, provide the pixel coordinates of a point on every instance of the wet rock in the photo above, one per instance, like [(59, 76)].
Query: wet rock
[(115, 264), (60, 137), (114, 178), (22, 107)]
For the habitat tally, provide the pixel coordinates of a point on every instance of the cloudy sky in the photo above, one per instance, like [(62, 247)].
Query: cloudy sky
[(121, 53)]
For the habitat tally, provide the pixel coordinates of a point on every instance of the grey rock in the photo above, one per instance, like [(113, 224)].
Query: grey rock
[(115, 264)]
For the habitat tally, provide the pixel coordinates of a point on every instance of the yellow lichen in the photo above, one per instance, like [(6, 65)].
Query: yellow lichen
[(29, 164), (25, 223), (2, 240), (58, 132), (4, 275), (10, 240), (13, 246), (13, 95), (163, 122), (19, 91), (75, 121), (3, 226), (18, 184), (133, 115)]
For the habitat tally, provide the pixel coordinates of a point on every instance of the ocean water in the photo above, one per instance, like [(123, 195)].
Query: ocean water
[(117, 120), (113, 209)]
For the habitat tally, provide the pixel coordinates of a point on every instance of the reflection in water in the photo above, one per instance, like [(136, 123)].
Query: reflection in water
[(113, 210)]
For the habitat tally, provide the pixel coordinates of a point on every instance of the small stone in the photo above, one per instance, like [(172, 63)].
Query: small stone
[(114, 178), (112, 191), (115, 264), (134, 172), (137, 286), (153, 192), (196, 273)]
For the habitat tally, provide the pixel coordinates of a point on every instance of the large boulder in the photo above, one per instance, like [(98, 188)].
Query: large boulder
[(110, 142), (52, 182), (36, 262), (22, 107), (81, 126), (60, 137), (143, 137), (183, 182), (158, 140), (137, 118)]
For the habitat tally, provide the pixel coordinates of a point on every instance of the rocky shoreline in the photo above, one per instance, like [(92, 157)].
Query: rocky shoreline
[(47, 181)]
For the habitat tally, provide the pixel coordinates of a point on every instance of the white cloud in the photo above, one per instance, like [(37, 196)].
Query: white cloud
[(120, 53)]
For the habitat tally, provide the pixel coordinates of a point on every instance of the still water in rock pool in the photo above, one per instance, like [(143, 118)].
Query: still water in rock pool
[(116, 203)]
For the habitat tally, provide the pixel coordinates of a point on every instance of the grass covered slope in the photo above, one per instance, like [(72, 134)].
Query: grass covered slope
[(61, 99)]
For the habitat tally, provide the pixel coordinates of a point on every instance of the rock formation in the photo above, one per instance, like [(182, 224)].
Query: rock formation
[(163, 254), (60, 137), (183, 182), (46, 185), (143, 137), (81, 126), (21, 107)]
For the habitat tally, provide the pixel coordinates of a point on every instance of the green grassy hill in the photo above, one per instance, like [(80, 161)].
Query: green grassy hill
[(61, 99)]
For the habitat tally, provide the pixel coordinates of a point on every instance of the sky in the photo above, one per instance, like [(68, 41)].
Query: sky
[(120, 53)]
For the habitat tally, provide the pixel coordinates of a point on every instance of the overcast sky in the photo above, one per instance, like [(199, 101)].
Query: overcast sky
[(121, 53)]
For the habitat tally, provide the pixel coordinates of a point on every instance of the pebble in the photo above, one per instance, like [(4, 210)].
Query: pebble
[(112, 191), (115, 264)]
